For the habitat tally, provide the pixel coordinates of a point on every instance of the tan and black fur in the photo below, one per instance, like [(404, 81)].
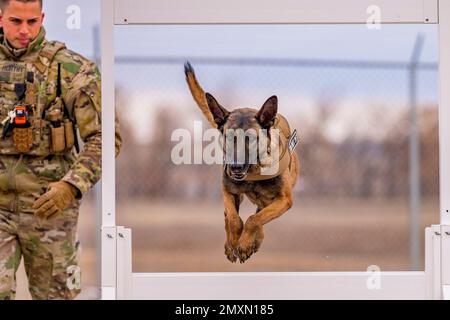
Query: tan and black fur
[(272, 196)]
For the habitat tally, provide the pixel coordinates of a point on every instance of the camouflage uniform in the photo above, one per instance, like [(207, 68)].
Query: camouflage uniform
[(49, 247)]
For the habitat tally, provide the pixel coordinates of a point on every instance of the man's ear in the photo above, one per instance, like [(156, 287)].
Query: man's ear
[(42, 17), (266, 115), (219, 113)]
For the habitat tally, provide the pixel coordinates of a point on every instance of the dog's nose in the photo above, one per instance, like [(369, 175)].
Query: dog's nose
[(237, 167)]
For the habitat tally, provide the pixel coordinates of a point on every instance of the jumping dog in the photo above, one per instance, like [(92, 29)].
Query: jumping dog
[(271, 193)]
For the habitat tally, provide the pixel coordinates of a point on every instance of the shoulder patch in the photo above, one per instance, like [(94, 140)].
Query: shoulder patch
[(72, 67)]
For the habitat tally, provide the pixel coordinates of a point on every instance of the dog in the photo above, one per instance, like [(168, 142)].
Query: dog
[(271, 193)]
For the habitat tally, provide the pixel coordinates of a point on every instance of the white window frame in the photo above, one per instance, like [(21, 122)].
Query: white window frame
[(117, 279)]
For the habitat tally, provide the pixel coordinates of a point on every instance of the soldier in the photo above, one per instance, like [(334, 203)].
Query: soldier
[(46, 91)]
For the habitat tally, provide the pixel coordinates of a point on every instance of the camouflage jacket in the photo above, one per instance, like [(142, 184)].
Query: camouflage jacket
[(80, 85)]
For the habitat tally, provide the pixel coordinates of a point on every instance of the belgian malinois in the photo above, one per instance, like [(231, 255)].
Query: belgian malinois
[(271, 193)]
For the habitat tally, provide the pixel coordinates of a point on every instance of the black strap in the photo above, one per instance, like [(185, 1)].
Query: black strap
[(58, 83), (20, 90), (66, 110)]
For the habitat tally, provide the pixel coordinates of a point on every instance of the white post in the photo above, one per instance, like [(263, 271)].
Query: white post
[(108, 221), (444, 138), (444, 109), (124, 290)]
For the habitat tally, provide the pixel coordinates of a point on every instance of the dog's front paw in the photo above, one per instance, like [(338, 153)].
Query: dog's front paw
[(244, 252), (230, 252), (245, 249), (249, 244)]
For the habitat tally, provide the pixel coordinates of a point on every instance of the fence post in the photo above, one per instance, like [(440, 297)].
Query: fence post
[(414, 158)]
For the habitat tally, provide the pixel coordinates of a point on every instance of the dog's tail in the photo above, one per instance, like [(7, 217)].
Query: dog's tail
[(197, 93)]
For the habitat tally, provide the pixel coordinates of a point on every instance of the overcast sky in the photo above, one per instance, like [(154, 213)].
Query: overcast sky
[(392, 42), (299, 88)]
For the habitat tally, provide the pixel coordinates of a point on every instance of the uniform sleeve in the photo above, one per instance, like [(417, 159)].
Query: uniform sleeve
[(84, 98)]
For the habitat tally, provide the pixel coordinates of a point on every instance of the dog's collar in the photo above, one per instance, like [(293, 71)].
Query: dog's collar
[(283, 163)]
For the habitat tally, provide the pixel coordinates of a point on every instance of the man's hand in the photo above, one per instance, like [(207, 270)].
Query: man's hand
[(58, 197)]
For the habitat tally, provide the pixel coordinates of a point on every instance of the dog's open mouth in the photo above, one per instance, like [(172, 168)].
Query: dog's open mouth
[(238, 175)]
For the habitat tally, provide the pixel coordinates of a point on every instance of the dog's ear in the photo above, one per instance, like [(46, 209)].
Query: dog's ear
[(266, 115), (219, 113)]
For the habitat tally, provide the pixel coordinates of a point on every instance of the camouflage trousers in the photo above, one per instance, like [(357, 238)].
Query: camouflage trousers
[(49, 247)]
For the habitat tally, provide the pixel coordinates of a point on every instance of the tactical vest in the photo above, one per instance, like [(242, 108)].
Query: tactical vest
[(38, 79)]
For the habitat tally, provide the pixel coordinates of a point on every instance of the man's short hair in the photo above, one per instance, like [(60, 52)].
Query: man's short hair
[(5, 3)]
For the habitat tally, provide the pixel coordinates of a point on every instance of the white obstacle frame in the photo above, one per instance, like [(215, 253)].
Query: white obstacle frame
[(117, 279)]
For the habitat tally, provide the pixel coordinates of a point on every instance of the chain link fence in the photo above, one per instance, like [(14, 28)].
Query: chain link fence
[(368, 148), (351, 203)]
